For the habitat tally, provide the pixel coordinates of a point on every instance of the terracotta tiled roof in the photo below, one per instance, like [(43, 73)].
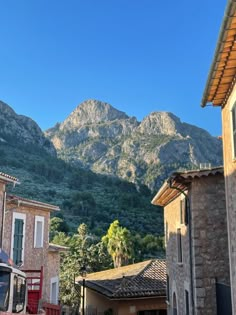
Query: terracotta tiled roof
[(146, 279), (181, 181), (32, 203), (8, 178)]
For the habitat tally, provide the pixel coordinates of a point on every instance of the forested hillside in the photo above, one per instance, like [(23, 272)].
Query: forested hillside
[(83, 196)]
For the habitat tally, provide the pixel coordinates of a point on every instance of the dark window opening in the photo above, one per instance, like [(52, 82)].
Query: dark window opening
[(186, 303), (179, 246), (4, 290), (19, 291)]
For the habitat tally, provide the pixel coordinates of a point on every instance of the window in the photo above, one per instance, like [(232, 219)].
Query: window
[(234, 129), (182, 211), (18, 238), (38, 232), (19, 291), (179, 246), (186, 303), (167, 288), (166, 233), (175, 310), (4, 290), (54, 290)]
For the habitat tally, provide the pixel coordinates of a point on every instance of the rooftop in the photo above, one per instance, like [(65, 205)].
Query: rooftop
[(31, 203), (181, 181), (221, 78), (8, 178), (145, 279)]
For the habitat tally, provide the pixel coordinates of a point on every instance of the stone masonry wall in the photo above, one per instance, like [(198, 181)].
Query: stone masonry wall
[(230, 185), (179, 273), (209, 241), (210, 248)]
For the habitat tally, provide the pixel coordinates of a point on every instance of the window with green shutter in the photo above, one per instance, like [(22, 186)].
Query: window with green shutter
[(18, 241)]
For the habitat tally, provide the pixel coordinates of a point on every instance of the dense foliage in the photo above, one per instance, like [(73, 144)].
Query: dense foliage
[(82, 195)]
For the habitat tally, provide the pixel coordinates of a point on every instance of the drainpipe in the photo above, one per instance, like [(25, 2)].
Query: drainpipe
[(3, 218), (189, 218)]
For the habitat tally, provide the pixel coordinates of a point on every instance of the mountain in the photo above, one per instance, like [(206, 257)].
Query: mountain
[(22, 130), (82, 195), (98, 137)]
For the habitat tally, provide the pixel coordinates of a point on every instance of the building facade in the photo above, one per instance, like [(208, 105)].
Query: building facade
[(220, 90), (25, 238), (196, 240)]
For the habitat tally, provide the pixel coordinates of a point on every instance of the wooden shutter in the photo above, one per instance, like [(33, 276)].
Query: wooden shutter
[(18, 241)]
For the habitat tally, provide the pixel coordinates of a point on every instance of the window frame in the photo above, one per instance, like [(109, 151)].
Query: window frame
[(19, 216), (38, 219), (52, 281)]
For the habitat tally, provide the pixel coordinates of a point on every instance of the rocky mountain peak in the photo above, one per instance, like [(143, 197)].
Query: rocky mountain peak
[(18, 129), (92, 112), (160, 123)]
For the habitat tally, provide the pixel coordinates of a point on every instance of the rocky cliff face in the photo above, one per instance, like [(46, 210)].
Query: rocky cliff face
[(17, 129), (101, 138)]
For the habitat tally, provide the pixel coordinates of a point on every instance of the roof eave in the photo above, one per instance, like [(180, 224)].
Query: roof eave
[(220, 42)]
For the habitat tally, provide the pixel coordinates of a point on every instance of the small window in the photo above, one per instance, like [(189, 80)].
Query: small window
[(166, 233), (167, 288), (179, 246), (39, 232), (182, 210), (186, 303), (175, 310), (54, 290), (234, 129)]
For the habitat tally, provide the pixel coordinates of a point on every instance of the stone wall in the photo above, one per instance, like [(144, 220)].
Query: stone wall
[(179, 273), (230, 184), (210, 245)]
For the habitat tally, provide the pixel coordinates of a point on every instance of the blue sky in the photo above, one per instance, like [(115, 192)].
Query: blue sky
[(138, 55)]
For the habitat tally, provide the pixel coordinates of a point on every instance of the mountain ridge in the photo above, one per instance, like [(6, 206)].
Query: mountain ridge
[(99, 137)]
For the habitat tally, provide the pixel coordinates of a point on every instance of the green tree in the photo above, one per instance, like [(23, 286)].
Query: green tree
[(118, 241), (57, 225), (83, 251)]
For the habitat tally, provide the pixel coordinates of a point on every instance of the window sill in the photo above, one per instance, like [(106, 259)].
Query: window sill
[(180, 264)]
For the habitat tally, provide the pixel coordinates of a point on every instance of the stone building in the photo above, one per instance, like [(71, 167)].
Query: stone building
[(25, 238), (196, 240), (220, 90)]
